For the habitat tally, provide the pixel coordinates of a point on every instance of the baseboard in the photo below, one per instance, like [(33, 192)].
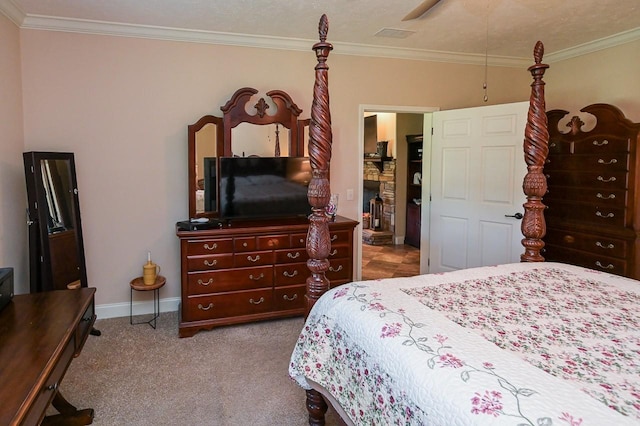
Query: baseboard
[(399, 240), (115, 310)]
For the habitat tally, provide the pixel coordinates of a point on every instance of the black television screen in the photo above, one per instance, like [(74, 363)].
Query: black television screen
[(263, 187)]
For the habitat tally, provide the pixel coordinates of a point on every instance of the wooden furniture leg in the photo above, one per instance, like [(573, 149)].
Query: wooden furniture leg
[(317, 407), (69, 415)]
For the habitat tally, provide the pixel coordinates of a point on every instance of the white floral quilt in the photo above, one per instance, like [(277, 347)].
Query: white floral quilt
[(521, 344)]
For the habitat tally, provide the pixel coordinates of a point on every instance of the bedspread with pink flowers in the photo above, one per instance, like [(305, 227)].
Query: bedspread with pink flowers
[(520, 344)]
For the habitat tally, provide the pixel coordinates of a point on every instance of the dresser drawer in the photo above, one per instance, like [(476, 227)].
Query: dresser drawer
[(338, 251), (609, 180), (291, 255), (273, 242), (209, 246), (230, 280), (292, 273), (599, 216), (299, 240), (228, 304), (612, 265), (604, 198), (339, 237), (598, 146), (241, 244), (339, 269), (601, 245), (595, 163), (84, 327), (286, 298), (254, 258), (204, 263)]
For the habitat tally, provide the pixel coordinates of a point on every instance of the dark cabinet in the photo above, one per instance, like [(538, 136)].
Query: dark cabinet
[(414, 189)]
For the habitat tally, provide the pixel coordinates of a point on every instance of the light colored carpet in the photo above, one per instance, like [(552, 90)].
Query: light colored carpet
[(236, 376)]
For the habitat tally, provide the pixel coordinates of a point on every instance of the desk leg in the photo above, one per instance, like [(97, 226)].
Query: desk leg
[(69, 415)]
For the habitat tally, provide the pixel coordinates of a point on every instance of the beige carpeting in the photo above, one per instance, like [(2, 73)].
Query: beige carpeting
[(237, 375)]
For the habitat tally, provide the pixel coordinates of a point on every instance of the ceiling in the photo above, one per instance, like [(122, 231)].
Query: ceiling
[(454, 30)]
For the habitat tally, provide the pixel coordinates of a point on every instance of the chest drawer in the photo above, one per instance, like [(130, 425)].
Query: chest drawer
[(203, 263), (230, 280), (299, 240), (241, 244), (289, 274), (273, 242), (212, 246), (602, 245), (595, 146), (599, 216), (339, 251), (291, 255), (286, 298), (339, 237), (588, 260), (254, 258), (339, 269), (604, 198), (228, 304), (609, 180), (598, 163)]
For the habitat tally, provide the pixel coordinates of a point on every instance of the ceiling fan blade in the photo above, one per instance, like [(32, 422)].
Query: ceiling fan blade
[(421, 9)]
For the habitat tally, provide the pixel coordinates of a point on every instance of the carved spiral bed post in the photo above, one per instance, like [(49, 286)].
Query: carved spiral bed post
[(318, 241), (536, 149)]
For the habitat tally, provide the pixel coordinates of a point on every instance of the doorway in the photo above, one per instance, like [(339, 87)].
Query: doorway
[(382, 252)]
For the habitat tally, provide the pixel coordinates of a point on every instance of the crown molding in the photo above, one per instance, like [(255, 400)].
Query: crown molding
[(51, 23), (13, 12)]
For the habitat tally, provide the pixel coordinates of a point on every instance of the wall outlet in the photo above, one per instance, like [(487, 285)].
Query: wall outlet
[(349, 194)]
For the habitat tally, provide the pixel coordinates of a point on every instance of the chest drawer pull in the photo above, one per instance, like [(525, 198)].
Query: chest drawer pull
[(210, 281), (244, 244), (603, 143), (253, 259), (256, 302), (290, 275), (605, 197), (608, 246), (293, 255), (210, 247), (205, 308), (600, 265), (259, 277), (610, 179), (334, 237), (212, 263), (334, 252), (612, 161), (338, 269), (52, 387), (600, 214), (301, 240), (294, 297)]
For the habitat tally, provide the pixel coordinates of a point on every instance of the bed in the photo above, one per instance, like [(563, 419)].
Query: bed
[(532, 343)]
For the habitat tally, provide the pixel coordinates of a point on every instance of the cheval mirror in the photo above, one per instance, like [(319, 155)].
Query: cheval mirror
[(236, 134), (56, 249)]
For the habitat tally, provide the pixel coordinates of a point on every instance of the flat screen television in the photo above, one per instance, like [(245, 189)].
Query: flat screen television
[(264, 187)]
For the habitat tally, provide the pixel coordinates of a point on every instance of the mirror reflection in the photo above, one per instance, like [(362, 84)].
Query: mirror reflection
[(270, 140), (57, 188), (205, 169)]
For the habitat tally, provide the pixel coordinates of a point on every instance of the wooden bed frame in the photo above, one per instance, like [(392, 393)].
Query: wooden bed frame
[(536, 141)]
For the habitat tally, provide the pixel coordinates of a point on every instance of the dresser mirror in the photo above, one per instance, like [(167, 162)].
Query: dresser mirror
[(56, 249), (265, 127)]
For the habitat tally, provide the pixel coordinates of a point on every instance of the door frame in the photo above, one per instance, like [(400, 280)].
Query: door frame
[(397, 109)]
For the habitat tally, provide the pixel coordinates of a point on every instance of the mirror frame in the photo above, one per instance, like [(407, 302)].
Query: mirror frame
[(192, 130), (40, 254)]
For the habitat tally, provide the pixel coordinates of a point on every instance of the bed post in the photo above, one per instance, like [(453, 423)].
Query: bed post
[(536, 149), (318, 240)]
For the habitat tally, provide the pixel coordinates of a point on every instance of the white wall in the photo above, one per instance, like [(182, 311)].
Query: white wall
[(13, 230)]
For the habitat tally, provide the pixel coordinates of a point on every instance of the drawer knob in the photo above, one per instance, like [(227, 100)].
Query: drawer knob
[(205, 308), (603, 143), (210, 263), (606, 216), (609, 179), (294, 297), (259, 277), (53, 387), (256, 302), (293, 255), (211, 247), (301, 240), (210, 281), (605, 197), (253, 259), (244, 244), (612, 161), (290, 275), (600, 265), (608, 246), (338, 269)]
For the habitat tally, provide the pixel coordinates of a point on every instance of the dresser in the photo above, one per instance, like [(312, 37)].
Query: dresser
[(592, 200), (250, 271), (40, 334)]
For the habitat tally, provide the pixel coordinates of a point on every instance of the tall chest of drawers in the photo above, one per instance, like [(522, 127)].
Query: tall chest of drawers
[(253, 271), (592, 200)]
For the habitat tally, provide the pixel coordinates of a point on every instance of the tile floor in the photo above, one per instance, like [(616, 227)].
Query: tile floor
[(388, 261)]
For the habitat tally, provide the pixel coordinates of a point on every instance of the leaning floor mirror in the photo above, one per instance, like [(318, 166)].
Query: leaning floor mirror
[(56, 249)]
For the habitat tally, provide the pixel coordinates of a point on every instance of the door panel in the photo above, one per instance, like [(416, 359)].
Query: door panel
[(476, 180)]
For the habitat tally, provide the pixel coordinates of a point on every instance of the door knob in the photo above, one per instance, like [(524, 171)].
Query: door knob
[(517, 215)]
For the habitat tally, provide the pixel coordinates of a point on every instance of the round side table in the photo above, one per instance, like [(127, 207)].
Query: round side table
[(138, 284)]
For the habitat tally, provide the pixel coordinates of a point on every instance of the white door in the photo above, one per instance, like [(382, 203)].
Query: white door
[(477, 169)]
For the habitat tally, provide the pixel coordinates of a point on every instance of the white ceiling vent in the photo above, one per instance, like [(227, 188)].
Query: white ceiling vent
[(394, 33)]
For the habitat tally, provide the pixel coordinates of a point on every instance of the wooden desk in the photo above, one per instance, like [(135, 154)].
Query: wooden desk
[(40, 334)]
